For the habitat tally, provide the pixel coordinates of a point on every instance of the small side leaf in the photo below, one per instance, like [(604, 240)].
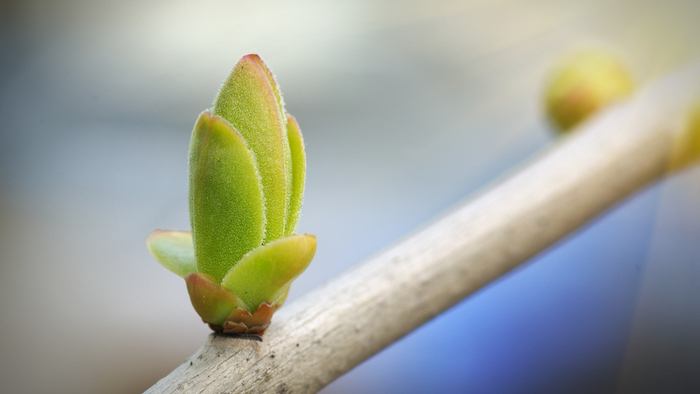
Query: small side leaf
[(264, 274), (282, 296), (226, 201), (174, 250), (212, 302), (296, 145)]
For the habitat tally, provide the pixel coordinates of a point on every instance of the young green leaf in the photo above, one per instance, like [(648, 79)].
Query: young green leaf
[(226, 200), (249, 100), (296, 145), (271, 80), (265, 273), (173, 249)]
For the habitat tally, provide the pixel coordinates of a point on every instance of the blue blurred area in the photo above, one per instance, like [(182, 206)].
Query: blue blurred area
[(560, 323), (406, 108)]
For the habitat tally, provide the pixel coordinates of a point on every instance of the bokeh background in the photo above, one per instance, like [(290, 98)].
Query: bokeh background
[(407, 107)]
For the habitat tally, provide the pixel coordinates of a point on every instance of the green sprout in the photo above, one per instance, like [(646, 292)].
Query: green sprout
[(246, 183)]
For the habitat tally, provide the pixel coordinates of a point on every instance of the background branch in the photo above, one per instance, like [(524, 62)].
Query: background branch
[(313, 341)]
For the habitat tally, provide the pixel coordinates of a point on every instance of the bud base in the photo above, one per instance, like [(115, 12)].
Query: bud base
[(240, 321)]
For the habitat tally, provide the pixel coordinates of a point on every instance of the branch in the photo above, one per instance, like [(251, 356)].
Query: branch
[(329, 331)]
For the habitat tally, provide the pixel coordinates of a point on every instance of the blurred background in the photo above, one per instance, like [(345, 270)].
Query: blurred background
[(407, 108)]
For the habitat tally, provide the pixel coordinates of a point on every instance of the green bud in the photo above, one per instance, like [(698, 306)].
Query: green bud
[(247, 174)]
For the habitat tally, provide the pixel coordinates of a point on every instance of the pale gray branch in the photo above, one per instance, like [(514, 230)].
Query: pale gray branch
[(318, 338)]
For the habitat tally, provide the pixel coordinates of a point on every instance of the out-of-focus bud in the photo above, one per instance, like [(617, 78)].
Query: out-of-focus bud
[(584, 83), (247, 173), (686, 150)]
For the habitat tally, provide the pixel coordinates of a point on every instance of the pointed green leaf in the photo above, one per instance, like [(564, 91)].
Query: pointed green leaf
[(266, 272), (272, 81), (212, 302), (226, 200), (249, 100), (296, 145), (173, 249), (288, 156)]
